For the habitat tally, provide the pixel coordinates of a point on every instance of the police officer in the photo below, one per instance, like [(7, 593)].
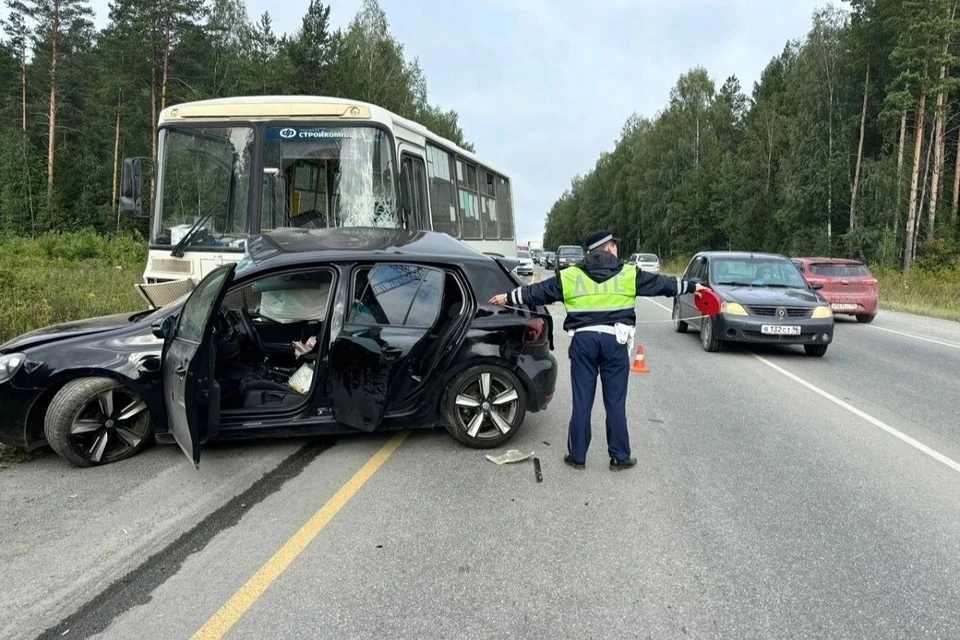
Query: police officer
[(600, 298)]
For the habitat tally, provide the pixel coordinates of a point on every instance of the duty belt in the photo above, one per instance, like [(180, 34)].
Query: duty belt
[(622, 332), (599, 328)]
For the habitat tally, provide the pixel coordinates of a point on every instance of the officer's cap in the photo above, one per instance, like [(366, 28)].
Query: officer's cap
[(599, 238)]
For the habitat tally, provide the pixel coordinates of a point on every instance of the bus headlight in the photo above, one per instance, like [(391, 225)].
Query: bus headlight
[(10, 363)]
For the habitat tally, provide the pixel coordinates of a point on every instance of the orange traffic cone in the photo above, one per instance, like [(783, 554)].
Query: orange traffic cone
[(639, 364)]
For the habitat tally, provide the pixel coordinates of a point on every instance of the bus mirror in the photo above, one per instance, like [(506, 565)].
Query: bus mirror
[(131, 203)]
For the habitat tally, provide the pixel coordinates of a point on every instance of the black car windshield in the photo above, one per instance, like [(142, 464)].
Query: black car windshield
[(571, 251), (756, 272)]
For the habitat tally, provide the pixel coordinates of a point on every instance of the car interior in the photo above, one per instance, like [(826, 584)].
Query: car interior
[(269, 334), (415, 297), (267, 337)]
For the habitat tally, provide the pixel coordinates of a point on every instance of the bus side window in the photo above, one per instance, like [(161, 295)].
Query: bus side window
[(468, 192), (488, 205), (505, 208), (420, 215), (422, 210), (443, 203)]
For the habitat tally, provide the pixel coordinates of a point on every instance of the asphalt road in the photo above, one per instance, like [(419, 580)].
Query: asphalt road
[(777, 496)]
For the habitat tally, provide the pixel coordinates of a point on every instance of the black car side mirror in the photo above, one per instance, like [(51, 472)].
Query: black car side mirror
[(164, 329), (817, 286)]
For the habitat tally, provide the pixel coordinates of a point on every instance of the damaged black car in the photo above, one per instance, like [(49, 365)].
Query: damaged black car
[(313, 332)]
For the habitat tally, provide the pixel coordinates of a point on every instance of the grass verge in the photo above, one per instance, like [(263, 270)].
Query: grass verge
[(927, 293), (62, 277), (59, 278)]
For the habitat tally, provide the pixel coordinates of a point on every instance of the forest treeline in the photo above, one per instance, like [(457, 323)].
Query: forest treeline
[(75, 100), (847, 145)]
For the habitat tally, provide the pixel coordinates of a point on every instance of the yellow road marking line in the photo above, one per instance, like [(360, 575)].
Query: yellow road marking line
[(242, 600)]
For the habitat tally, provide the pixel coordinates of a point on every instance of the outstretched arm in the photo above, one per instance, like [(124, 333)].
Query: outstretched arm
[(652, 284), (538, 293)]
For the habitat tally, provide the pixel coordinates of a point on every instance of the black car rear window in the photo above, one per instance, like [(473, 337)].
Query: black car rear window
[(571, 251), (840, 270), (396, 295)]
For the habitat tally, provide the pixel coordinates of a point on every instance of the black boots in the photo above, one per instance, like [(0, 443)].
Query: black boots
[(620, 465), (615, 465)]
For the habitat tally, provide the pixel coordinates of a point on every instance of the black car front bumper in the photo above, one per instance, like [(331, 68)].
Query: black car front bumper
[(750, 329), (15, 405)]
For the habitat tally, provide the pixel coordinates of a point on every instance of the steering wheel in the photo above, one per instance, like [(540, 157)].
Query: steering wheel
[(222, 325), (250, 332)]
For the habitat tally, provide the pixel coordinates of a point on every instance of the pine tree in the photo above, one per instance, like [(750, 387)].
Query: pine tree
[(55, 19)]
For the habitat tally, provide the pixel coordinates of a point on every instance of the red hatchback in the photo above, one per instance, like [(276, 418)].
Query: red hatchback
[(848, 285)]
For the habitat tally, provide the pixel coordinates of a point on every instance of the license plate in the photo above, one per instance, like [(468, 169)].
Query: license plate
[(843, 306), (779, 330)]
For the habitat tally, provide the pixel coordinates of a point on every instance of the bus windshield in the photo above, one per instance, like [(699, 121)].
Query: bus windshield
[(328, 177), (311, 177), (204, 175)]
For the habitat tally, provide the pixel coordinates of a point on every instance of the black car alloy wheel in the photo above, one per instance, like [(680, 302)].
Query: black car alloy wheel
[(94, 421), (484, 406)]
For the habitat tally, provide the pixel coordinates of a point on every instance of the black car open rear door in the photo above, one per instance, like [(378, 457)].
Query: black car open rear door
[(191, 394), (386, 326)]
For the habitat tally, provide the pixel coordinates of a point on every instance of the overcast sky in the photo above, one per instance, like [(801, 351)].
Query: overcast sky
[(543, 86)]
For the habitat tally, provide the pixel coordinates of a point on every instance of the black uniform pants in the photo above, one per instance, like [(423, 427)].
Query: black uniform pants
[(593, 353)]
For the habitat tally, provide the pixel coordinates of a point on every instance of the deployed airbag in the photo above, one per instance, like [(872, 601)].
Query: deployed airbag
[(295, 305)]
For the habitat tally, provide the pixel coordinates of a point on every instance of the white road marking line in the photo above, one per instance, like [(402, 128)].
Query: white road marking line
[(880, 424), (662, 306), (936, 455), (916, 337)]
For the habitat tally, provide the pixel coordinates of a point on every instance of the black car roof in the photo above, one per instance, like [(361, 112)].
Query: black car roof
[(291, 246)]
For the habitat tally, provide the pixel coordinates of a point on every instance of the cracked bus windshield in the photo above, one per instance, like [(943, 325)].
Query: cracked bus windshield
[(312, 177), (317, 177)]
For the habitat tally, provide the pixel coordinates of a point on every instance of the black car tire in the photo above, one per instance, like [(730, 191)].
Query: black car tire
[(457, 415), (678, 325), (707, 336), (815, 350), (123, 417), (865, 318)]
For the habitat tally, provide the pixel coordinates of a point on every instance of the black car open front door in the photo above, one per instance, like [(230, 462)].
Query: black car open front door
[(386, 326), (191, 394)]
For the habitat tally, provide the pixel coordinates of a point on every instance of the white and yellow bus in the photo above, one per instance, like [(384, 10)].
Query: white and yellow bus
[(322, 162)]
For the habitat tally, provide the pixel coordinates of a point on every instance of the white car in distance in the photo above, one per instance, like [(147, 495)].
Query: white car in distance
[(526, 263), (646, 262)]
